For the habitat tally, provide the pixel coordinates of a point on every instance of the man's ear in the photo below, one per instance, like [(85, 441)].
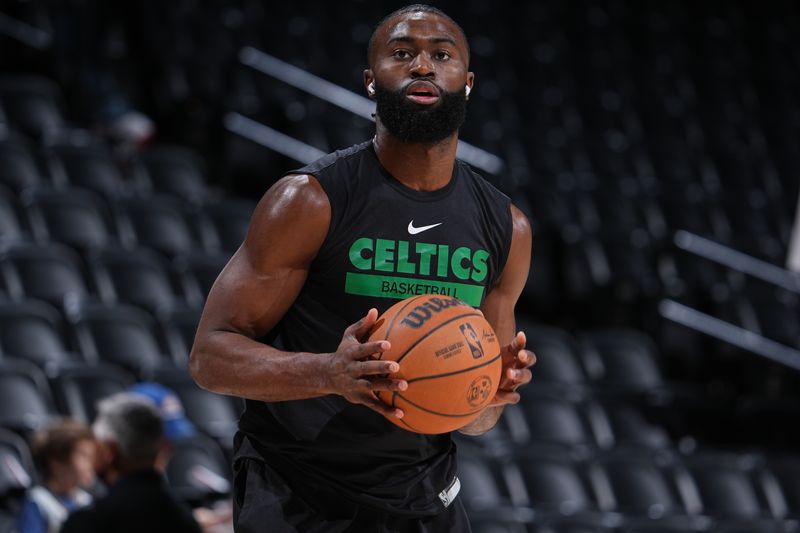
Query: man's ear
[(369, 82)]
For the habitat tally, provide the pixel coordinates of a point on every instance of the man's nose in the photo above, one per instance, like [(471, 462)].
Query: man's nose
[(422, 67)]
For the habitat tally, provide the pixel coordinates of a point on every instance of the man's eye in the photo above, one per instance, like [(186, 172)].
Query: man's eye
[(402, 54), (442, 55)]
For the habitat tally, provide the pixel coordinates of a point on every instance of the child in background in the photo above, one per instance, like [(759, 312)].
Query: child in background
[(64, 454)]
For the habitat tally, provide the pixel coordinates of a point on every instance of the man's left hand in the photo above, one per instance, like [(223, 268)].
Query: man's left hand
[(516, 370)]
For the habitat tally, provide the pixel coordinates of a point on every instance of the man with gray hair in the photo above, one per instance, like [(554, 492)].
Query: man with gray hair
[(130, 436)]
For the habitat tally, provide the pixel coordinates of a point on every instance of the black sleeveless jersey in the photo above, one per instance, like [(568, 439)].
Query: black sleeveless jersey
[(386, 242)]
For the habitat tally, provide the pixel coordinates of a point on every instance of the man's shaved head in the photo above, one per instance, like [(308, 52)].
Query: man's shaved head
[(414, 8)]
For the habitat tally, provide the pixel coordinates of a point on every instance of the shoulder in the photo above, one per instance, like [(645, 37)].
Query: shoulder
[(481, 184), (340, 157), (294, 203), (519, 253), (291, 192), (521, 226)]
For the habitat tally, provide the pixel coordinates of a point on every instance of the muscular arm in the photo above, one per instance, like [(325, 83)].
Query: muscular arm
[(254, 291), (498, 308)]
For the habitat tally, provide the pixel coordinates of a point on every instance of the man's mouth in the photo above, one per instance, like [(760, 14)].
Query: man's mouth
[(423, 92)]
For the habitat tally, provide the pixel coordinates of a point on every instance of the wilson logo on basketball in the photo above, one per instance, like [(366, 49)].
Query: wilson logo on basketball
[(479, 391), (417, 317)]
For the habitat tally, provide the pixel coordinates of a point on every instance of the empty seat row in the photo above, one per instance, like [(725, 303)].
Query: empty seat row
[(96, 333), (84, 221), (687, 493), (79, 159), (55, 274)]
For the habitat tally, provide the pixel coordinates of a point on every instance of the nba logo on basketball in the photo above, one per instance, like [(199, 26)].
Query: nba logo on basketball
[(474, 342)]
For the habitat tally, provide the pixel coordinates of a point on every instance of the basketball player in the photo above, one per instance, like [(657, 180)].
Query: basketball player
[(358, 230)]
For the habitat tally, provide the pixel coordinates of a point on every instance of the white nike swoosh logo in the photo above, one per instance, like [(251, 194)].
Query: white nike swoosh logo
[(413, 231)]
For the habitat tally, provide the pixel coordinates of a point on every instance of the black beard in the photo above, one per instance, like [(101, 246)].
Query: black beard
[(414, 123)]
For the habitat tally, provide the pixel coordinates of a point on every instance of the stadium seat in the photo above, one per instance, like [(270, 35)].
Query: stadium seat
[(645, 490), (118, 334), (82, 161), (176, 171), (497, 525), (178, 328), (197, 471), (74, 217), (621, 360), (198, 273), (557, 359), (48, 272), (25, 400), (555, 420), (483, 491), (727, 488), (781, 482), (12, 225), (32, 104), (18, 168), (163, 224), (34, 331), (570, 526), (78, 388), (17, 472), (557, 486), (137, 277), (230, 218), (629, 427)]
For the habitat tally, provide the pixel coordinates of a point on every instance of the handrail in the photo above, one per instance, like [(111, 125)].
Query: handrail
[(736, 260), (348, 100), (271, 138), (24, 33), (730, 333)]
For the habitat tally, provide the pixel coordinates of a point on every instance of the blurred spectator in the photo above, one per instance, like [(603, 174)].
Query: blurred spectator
[(90, 40), (130, 436), (177, 427), (64, 454)]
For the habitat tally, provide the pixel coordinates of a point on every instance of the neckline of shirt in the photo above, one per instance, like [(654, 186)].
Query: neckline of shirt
[(425, 196)]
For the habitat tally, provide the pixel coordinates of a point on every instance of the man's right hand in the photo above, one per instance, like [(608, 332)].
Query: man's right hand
[(352, 371)]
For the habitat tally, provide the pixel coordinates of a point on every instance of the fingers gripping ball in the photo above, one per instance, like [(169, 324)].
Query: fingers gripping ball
[(448, 354)]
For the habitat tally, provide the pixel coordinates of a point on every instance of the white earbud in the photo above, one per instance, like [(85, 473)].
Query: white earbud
[(371, 88), (468, 89)]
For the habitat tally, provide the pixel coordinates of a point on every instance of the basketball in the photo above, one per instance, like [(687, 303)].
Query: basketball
[(450, 357)]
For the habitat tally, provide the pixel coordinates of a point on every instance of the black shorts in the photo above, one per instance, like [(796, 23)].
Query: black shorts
[(264, 503)]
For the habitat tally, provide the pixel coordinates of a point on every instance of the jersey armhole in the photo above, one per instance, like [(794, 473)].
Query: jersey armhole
[(509, 236)]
